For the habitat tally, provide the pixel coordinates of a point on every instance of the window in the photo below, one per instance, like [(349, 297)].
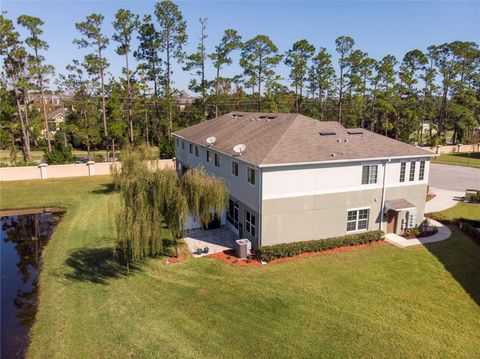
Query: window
[(412, 171), (251, 175), (357, 219), (177, 141), (235, 168), (421, 174), (183, 145), (403, 168), (197, 151), (250, 223), (232, 215), (369, 174), (217, 160), (209, 157), (191, 148)]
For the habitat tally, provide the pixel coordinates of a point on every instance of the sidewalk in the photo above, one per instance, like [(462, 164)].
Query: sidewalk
[(444, 199), (442, 234)]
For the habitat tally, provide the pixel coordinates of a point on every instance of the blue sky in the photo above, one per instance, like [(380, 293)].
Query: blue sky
[(378, 27)]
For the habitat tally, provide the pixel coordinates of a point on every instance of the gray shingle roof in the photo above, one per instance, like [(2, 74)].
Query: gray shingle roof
[(281, 138), (55, 113)]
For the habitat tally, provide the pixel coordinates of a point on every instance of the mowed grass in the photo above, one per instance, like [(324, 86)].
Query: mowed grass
[(373, 302), (38, 155), (459, 159), (464, 210)]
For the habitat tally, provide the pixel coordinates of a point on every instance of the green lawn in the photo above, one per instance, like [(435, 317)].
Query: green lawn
[(459, 159), (461, 210), (373, 302), (38, 155)]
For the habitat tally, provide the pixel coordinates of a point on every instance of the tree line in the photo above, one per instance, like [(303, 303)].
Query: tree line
[(439, 87)]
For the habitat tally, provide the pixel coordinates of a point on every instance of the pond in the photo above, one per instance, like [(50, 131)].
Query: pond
[(23, 238)]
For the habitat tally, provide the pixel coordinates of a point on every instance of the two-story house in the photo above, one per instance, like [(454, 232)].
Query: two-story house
[(295, 178)]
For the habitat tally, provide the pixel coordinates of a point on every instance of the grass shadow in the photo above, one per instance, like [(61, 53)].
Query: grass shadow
[(106, 188), (460, 257), (97, 265)]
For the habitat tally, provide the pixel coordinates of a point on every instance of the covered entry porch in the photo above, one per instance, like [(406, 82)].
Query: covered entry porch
[(400, 214)]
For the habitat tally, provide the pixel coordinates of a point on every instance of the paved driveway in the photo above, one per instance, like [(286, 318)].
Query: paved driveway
[(454, 178), (449, 183)]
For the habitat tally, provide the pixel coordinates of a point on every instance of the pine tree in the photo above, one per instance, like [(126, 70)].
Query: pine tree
[(125, 24)]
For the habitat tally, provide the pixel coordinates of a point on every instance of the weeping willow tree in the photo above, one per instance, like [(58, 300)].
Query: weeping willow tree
[(207, 195), (139, 227), (169, 200), (151, 198)]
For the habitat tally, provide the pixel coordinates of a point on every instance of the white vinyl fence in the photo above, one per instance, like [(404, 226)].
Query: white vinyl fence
[(44, 171)]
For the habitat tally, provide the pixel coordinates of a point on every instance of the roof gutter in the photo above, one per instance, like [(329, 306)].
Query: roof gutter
[(268, 165), (237, 158)]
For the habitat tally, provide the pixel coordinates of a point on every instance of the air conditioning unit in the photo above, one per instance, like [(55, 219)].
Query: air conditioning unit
[(243, 247)]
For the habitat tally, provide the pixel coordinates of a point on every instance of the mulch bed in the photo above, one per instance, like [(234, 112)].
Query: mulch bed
[(176, 259), (421, 235), (230, 258)]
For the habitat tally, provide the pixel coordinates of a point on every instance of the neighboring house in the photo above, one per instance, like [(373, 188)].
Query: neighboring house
[(183, 100), (428, 128), (55, 120), (302, 179), (53, 99)]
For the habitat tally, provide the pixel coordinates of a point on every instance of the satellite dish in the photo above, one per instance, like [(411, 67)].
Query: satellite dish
[(211, 140), (240, 148)]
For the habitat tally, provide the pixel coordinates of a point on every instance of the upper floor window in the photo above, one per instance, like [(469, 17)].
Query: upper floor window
[(403, 168), (177, 141), (369, 174), (183, 145), (251, 175), (217, 160), (250, 223), (191, 148), (412, 171), (209, 156), (421, 174), (357, 219), (235, 168), (197, 151)]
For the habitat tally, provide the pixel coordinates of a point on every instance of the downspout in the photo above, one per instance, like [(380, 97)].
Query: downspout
[(260, 215), (383, 193)]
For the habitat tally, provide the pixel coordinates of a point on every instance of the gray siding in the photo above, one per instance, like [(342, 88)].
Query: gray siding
[(238, 187), (321, 216)]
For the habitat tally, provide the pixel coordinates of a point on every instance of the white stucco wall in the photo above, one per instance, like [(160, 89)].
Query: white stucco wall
[(70, 170), (292, 181)]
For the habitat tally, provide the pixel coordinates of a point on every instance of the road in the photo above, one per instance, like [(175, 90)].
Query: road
[(454, 178)]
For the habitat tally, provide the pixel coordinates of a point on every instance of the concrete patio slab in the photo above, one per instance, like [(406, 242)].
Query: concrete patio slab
[(217, 240), (442, 234)]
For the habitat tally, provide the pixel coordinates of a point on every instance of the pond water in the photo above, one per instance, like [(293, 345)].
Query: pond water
[(22, 240)]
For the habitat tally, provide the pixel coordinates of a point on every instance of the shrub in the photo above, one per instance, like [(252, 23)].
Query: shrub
[(268, 253), (166, 148), (471, 231), (474, 198), (99, 157), (59, 154)]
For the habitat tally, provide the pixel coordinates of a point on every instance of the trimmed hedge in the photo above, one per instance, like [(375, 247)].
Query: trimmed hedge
[(268, 253), (471, 231)]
